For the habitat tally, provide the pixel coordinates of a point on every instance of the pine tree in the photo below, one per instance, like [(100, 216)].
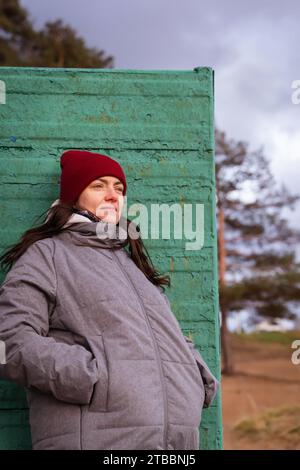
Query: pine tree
[(55, 45), (257, 266)]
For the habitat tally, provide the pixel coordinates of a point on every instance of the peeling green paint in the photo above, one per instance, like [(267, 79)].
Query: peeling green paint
[(103, 117)]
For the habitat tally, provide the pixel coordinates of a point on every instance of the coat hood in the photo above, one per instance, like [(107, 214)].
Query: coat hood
[(86, 232)]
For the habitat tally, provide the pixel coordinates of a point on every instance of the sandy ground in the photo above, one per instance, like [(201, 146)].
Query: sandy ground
[(266, 379)]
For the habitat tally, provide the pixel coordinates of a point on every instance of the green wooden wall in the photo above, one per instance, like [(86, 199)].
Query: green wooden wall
[(160, 126)]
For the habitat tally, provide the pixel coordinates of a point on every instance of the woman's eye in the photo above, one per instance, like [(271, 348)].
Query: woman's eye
[(120, 190)]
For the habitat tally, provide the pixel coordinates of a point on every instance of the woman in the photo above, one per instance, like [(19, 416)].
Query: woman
[(89, 331)]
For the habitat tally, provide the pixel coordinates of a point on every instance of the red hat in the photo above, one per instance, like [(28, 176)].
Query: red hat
[(81, 167)]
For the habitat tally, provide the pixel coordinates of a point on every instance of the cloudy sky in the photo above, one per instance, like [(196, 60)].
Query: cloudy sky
[(252, 46)]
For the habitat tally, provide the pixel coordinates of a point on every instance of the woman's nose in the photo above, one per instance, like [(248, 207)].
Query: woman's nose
[(111, 193)]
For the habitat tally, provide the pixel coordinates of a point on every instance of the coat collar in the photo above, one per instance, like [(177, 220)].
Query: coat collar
[(86, 230)]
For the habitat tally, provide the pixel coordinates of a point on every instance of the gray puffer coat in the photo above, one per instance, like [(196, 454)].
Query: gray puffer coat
[(98, 349)]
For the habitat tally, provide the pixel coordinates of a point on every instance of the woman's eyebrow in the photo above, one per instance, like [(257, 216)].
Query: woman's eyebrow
[(103, 180)]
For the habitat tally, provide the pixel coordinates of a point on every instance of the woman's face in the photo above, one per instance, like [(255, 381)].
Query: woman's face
[(104, 198)]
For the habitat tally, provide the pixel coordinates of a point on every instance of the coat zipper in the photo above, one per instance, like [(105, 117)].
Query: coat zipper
[(156, 347)]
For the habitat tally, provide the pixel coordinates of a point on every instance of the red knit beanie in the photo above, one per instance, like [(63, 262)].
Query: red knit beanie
[(80, 167)]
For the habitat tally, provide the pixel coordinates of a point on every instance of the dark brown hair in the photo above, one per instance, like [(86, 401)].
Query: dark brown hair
[(58, 215)]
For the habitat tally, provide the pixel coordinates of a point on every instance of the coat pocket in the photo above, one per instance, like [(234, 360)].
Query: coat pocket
[(210, 383), (99, 397)]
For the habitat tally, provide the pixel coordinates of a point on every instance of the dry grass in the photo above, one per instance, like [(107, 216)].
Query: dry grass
[(278, 428), (261, 402)]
